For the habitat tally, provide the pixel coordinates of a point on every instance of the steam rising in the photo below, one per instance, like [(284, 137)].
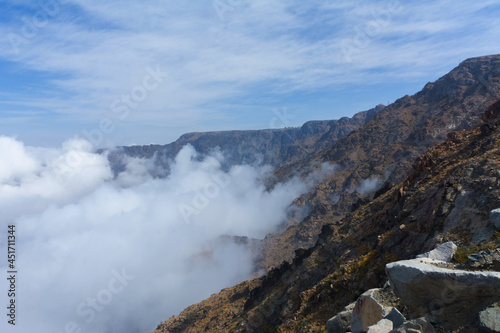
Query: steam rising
[(368, 185), (99, 253)]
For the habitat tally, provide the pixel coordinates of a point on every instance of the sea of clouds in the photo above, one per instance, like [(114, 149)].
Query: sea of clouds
[(105, 252)]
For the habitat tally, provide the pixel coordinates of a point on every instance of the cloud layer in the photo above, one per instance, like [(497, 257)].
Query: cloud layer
[(121, 254)]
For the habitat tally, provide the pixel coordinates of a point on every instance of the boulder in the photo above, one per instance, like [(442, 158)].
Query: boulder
[(495, 218), (370, 308), (420, 325), (489, 319), (425, 287), (395, 317), (383, 326), (443, 252), (339, 323)]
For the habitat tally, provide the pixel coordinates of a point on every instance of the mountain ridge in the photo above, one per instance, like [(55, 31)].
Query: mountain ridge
[(321, 263), (275, 147)]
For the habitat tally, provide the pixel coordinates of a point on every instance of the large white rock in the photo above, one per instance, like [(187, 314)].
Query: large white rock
[(368, 311), (383, 326), (443, 252), (495, 218), (424, 287)]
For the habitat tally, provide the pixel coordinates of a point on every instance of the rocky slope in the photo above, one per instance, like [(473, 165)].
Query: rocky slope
[(446, 195), (381, 152)]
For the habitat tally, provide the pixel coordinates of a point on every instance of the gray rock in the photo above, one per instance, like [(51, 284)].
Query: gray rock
[(443, 252), (339, 323), (424, 287), (368, 311), (350, 307), (484, 234), (383, 326), (489, 319), (395, 317), (495, 218), (420, 325), (475, 257)]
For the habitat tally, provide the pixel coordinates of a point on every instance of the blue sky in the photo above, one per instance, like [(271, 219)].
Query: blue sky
[(128, 72)]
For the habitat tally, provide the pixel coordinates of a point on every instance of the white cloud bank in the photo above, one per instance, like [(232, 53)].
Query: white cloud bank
[(97, 253)]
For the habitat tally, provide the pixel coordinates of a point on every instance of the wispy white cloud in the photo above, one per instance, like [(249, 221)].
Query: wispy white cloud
[(97, 51)]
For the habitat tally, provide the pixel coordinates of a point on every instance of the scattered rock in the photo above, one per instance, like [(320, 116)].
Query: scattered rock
[(420, 325), (395, 317), (443, 252), (475, 257), (383, 326), (424, 288), (489, 319), (371, 307), (484, 260), (495, 218)]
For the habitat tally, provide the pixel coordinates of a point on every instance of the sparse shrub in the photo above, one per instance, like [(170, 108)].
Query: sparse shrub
[(461, 254), (190, 317)]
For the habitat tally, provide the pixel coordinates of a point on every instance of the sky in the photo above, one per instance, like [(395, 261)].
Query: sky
[(127, 72)]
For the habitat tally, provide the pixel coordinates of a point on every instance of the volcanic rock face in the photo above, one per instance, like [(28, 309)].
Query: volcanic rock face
[(433, 193)]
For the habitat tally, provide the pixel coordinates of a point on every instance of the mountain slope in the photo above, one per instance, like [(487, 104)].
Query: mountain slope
[(382, 151), (349, 255), (446, 197)]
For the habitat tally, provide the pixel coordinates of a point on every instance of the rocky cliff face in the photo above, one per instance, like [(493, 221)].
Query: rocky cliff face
[(275, 147)]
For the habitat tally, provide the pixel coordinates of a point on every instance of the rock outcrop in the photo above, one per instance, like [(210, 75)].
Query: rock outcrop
[(443, 252), (425, 287)]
